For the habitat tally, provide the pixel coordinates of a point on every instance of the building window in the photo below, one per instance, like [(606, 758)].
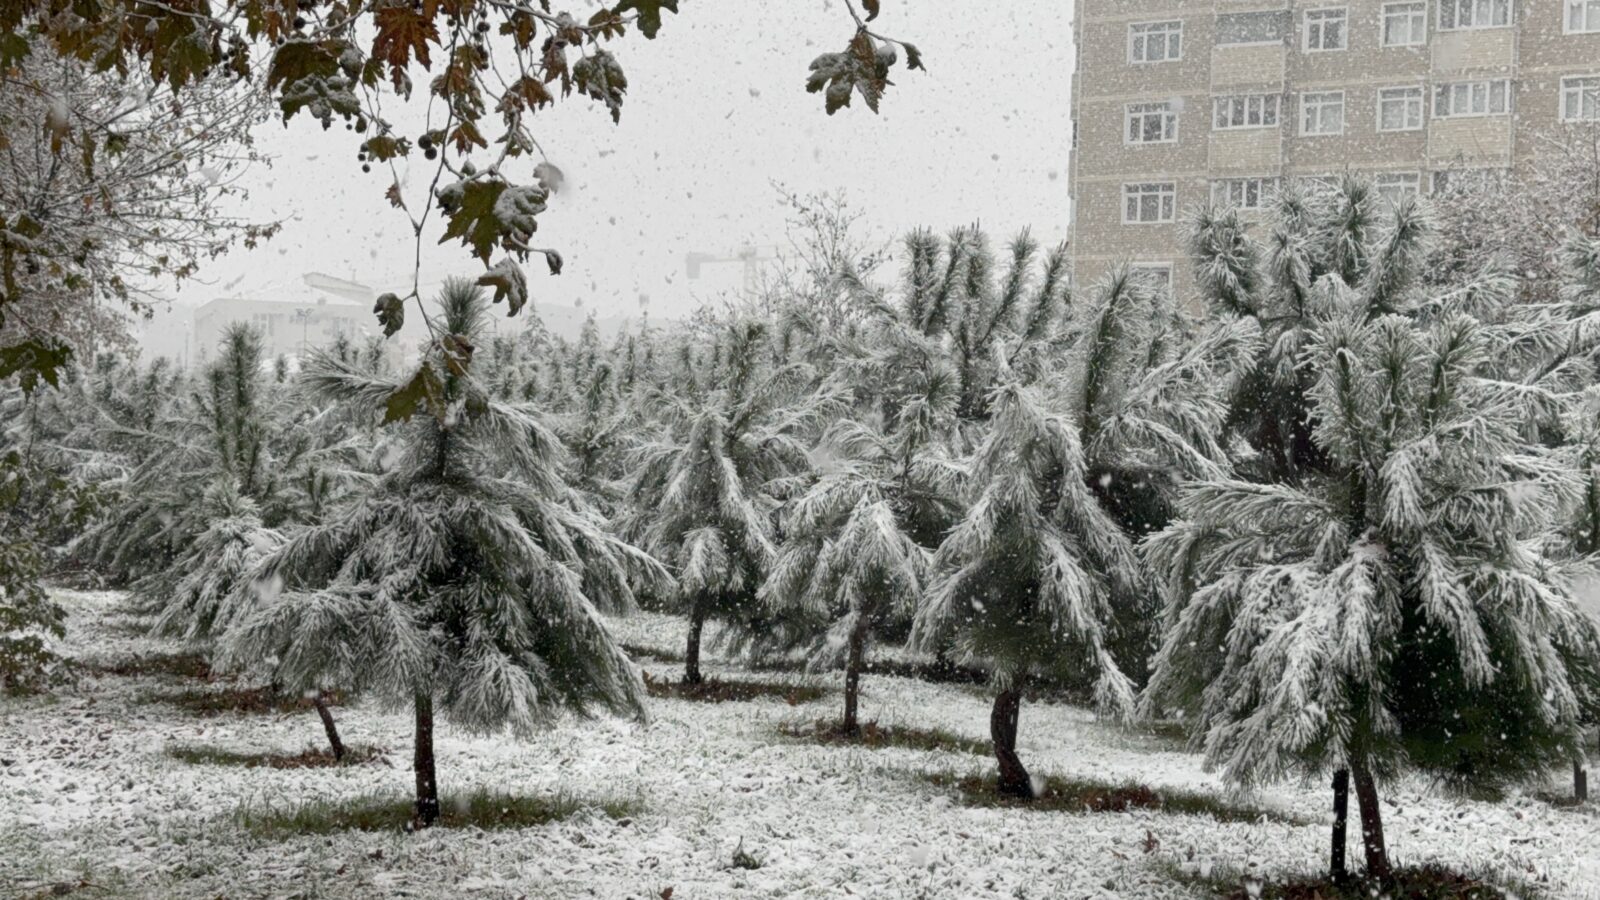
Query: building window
[(1327, 29), (1458, 14), (1149, 203), (1252, 27), (1472, 98), (1583, 16), (1244, 193), (1322, 113), (1151, 123), (1157, 276), (1406, 24), (1400, 109), (1580, 99), (1153, 42), (1396, 186), (1246, 111)]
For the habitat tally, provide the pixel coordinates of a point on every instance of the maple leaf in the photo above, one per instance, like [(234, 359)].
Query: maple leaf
[(457, 352), (525, 93), (395, 199), (34, 360), (649, 13), (862, 68), (402, 34), (600, 76), (485, 211), (308, 75), (607, 24), (391, 313), (509, 284), (424, 390)]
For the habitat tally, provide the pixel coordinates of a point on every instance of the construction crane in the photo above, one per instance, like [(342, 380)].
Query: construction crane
[(748, 256)]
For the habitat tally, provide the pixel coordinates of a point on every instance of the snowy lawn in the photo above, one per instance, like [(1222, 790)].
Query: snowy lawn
[(89, 795)]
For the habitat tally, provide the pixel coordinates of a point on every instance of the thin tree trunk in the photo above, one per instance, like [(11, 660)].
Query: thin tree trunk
[(1341, 819), (1580, 782), (1371, 824), (422, 762), (852, 677), (320, 701), (691, 655), (1014, 780)]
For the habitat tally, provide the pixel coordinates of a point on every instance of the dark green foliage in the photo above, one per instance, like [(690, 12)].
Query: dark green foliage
[(1077, 795), (482, 809)]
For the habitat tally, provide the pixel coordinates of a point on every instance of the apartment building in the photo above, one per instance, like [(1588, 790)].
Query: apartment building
[(1176, 101)]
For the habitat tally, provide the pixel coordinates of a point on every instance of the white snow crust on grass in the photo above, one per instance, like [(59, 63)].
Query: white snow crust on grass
[(88, 797)]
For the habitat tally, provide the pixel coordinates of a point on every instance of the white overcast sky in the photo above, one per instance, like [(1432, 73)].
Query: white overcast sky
[(716, 111)]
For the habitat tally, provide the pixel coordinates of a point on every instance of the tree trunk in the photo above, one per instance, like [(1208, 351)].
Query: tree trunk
[(1580, 782), (1341, 819), (1371, 824), (852, 678), (422, 762), (320, 701), (691, 655), (1014, 780)]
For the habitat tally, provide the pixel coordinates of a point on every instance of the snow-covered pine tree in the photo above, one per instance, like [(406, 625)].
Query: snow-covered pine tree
[(1382, 596), (856, 554), (702, 498), (1026, 579), (1576, 325), (469, 577), (220, 430)]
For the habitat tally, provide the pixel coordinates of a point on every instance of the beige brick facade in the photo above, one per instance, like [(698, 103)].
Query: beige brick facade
[(1398, 89)]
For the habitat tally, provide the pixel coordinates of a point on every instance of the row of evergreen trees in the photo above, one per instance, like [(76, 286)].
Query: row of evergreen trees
[(1337, 518)]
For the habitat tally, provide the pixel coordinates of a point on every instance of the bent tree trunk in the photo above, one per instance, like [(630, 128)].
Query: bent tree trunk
[(320, 701), (1341, 819), (1014, 780), (1371, 824), (691, 654), (852, 678), (422, 762)]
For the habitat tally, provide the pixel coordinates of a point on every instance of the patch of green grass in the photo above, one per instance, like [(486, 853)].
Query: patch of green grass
[(873, 736), (311, 758), (176, 665), (639, 651), (1165, 731), (482, 809), (1428, 882), (716, 690), (256, 700), (1086, 796)]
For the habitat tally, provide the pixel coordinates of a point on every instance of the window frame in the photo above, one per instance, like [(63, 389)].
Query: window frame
[(1279, 41), (1458, 5), (1276, 104), (1344, 29), (1155, 267), (1266, 187), (1565, 111), (1166, 36), (1167, 112), (1163, 189), (1488, 98), (1305, 97), (1421, 97), (1418, 13), (1591, 11), (1415, 182)]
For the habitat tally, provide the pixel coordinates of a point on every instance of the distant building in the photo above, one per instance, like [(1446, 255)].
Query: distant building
[(1178, 100), (317, 313)]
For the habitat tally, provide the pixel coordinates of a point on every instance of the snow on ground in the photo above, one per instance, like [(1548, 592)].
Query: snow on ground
[(87, 793)]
